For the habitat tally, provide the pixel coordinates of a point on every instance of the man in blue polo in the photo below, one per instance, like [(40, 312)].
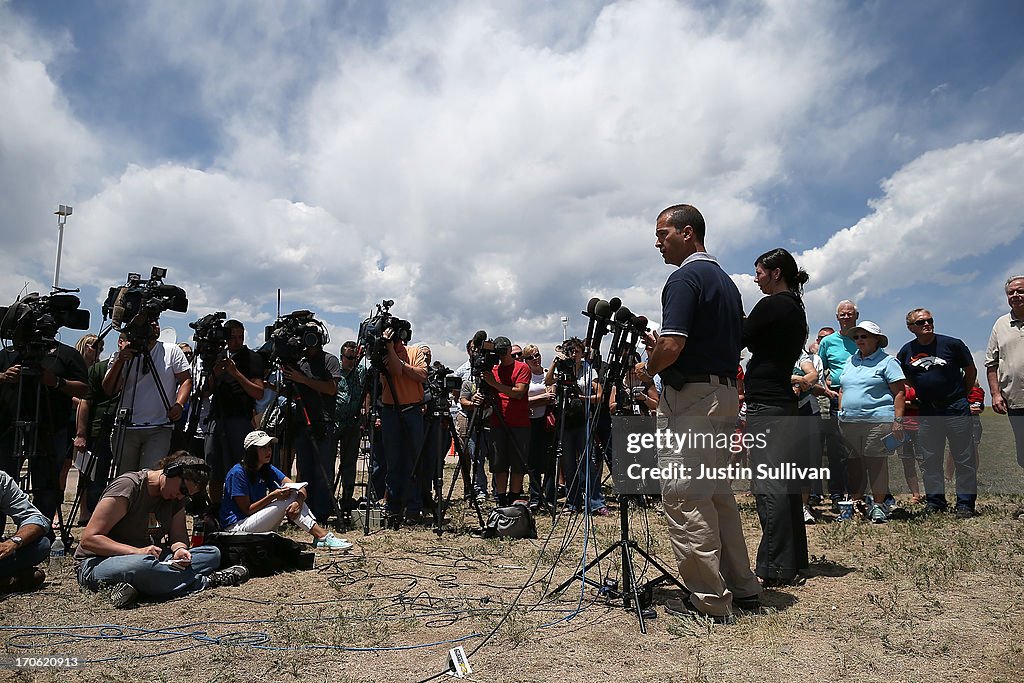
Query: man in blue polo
[(942, 371), (834, 350), (696, 356)]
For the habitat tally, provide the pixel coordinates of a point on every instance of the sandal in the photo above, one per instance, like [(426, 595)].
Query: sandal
[(23, 582)]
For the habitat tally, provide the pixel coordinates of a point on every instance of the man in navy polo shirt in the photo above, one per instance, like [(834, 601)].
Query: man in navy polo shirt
[(942, 371), (696, 356)]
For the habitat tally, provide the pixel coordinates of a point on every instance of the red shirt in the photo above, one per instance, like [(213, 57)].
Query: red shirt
[(515, 411)]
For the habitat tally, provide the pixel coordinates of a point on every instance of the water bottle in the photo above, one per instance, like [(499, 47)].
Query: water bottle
[(198, 531), (56, 557)]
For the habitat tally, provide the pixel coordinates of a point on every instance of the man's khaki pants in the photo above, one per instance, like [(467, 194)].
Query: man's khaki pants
[(704, 524)]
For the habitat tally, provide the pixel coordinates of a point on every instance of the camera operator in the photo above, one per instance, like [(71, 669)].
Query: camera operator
[(402, 425), (95, 423), (579, 397), (316, 379), (237, 385), (61, 376), (478, 444), (156, 391), (510, 379), (348, 408)]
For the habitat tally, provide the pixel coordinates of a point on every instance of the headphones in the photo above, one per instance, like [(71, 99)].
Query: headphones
[(177, 468)]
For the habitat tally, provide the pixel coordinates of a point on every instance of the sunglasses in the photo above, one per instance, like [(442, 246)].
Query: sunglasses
[(535, 356), (923, 321), (858, 337), (517, 355), (183, 488)]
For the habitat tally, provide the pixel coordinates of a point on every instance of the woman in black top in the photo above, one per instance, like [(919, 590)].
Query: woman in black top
[(774, 332)]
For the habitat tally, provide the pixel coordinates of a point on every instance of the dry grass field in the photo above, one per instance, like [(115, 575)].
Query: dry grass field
[(920, 599)]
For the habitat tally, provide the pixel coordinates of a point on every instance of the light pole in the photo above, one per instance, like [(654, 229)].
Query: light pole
[(62, 213)]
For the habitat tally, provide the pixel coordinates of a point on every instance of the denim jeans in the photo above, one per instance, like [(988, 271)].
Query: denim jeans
[(44, 468), (28, 555), (402, 436), (147, 575), (348, 448), (836, 451), (100, 475), (541, 464), (811, 425), (578, 478), (315, 459), (937, 426), (227, 445)]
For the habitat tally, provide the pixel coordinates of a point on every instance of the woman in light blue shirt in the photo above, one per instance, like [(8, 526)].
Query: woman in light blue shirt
[(871, 405)]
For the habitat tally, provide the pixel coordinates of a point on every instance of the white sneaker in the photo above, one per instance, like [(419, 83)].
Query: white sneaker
[(332, 542), (808, 516)]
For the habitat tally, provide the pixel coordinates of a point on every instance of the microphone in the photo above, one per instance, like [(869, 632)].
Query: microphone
[(615, 303), (602, 313), (478, 338), (602, 317), (591, 308), (623, 317)]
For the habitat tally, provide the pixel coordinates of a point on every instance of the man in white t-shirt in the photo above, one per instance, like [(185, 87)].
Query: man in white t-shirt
[(155, 390)]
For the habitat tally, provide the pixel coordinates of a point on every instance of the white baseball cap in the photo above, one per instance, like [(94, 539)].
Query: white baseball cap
[(258, 438)]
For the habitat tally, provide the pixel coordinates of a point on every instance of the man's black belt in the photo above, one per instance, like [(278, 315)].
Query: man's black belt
[(402, 407), (678, 380), (724, 380)]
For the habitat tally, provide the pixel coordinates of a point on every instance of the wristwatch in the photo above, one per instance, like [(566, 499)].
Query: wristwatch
[(898, 420), (17, 541)]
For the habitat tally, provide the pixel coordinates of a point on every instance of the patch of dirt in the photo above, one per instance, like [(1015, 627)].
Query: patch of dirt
[(905, 601)]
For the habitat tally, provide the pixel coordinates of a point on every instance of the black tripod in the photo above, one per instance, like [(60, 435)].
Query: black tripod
[(438, 425), (635, 596), (26, 443), (476, 426), (124, 418), (293, 417)]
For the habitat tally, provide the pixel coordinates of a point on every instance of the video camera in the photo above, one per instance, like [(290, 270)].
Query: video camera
[(482, 354), (371, 332), (211, 338), (31, 323), (291, 335), (440, 383), (441, 379), (565, 362), (136, 305)]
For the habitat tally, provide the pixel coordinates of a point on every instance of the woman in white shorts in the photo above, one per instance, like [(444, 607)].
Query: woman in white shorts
[(258, 496)]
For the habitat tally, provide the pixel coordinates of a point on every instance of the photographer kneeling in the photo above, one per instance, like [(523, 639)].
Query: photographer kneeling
[(248, 507), (122, 551)]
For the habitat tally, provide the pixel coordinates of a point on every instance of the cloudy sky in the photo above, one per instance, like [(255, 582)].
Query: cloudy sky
[(495, 164)]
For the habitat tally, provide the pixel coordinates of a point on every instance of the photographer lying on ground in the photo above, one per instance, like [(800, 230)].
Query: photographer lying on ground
[(121, 551), (247, 505)]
